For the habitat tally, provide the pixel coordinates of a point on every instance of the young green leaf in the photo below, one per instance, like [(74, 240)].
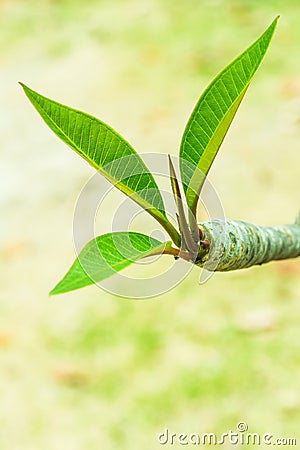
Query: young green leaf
[(187, 240), (213, 114), (107, 151), (106, 255)]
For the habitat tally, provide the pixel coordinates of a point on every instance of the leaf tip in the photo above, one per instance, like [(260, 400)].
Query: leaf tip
[(22, 85), (274, 23), (171, 167), (54, 291), (59, 288), (26, 89)]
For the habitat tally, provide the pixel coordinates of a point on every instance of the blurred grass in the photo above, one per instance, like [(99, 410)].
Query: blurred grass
[(87, 370)]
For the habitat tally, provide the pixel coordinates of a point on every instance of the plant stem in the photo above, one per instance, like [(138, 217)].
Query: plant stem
[(236, 245)]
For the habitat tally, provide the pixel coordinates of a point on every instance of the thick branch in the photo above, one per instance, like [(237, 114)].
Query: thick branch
[(236, 245)]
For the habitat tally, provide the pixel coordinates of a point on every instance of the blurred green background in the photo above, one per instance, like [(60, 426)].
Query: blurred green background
[(91, 371)]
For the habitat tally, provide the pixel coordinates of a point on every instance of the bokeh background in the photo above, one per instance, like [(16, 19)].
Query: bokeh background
[(90, 370)]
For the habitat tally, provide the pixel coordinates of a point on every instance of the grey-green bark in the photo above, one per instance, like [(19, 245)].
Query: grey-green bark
[(236, 244)]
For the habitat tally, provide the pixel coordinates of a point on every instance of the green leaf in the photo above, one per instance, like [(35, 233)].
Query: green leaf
[(213, 114), (107, 151), (106, 255)]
